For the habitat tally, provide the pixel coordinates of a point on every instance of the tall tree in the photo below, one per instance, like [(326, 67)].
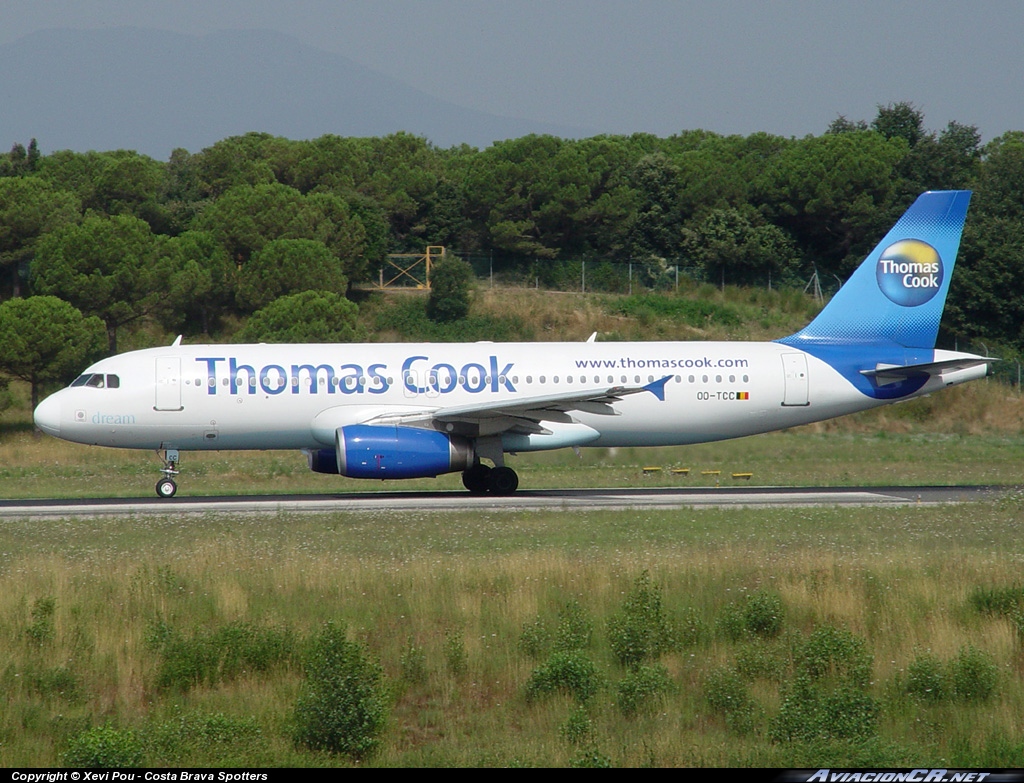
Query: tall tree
[(287, 266), (740, 249), (900, 120), (29, 207), (199, 282), (105, 266), (832, 194), (305, 317), (45, 340)]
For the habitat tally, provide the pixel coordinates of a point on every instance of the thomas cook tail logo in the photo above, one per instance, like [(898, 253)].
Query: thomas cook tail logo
[(909, 272)]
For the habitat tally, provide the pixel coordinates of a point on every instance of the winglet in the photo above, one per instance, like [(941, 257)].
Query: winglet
[(592, 337), (657, 388)]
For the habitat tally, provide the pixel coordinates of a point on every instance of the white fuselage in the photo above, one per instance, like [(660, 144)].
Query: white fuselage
[(201, 397)]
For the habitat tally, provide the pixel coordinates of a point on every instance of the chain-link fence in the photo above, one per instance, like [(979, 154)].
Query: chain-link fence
[(616, 277)]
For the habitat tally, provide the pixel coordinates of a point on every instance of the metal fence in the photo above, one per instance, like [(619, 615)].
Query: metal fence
[(613, 276)]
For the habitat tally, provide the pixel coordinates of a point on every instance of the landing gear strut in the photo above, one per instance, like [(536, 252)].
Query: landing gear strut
[(166, 487)]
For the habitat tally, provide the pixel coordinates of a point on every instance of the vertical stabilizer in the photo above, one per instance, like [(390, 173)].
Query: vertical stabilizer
[(896, 296)]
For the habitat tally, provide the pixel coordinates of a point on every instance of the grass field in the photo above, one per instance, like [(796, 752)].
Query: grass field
[(787, 637)]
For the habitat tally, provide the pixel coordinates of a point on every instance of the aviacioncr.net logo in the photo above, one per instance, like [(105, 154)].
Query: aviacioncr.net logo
[(909, 272)]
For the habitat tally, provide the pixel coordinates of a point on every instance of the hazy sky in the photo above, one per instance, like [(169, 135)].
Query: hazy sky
[(619, 66)]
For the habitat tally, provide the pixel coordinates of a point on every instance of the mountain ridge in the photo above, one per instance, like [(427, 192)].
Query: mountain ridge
[(153, 91)]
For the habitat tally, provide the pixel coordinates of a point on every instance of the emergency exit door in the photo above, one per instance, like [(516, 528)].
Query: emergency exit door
[(168, 383), (797, 390)]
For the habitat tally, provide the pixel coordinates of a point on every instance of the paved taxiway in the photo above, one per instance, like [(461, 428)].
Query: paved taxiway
[(546, 499)]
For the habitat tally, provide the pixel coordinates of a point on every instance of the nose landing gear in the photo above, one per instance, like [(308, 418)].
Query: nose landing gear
[(166, 487)]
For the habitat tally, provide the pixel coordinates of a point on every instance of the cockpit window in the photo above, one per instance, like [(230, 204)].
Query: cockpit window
[(98, 380)]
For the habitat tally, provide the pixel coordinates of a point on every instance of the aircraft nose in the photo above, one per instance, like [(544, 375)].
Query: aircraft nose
[(47, 415)]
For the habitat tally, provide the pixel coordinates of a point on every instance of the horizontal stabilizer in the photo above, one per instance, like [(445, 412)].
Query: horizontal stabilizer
[(884, 374)]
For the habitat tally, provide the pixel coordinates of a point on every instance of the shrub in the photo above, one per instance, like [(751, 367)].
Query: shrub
[(450, 282), (643, 688), (832, 652), (760, 614), (59, 682), (572, 673), (828, 697), (455, 654), (591, 758), (195, 734), (642, 631), (103, 746), (575, 628), (926, 678), (997, 600), (342, 707), (763, 614), (731, 624), (578, 728), (695, 312), (758, 660), (41, 629), (209, 657), (849, 713), (727, 694), (414, 664), (535, 640), (973, 675)]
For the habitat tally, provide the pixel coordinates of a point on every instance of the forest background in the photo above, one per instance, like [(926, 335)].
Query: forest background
[(264, 238)]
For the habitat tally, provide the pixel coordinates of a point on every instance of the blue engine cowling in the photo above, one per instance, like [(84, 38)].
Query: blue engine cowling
[(364, 451)]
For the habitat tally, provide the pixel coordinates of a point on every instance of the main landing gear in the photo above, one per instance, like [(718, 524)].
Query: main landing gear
[(166, 487), (480, 479)]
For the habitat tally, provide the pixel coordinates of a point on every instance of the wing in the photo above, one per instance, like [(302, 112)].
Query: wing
[(522, 415)]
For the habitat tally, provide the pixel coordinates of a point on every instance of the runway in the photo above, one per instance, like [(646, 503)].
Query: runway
[(537, 500)]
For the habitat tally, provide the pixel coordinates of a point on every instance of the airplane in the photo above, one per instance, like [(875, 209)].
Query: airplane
[(395, 411)]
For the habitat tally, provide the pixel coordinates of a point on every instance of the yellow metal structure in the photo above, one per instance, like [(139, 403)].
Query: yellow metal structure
[(414, 267)]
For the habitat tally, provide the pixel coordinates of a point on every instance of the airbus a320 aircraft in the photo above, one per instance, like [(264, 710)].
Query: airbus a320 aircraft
[(413, 410)]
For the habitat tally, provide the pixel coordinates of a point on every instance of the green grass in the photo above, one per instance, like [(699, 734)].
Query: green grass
[(43, 467), (89, 610)]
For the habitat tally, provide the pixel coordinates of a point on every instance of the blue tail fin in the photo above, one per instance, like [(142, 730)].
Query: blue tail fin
[(896, 296)]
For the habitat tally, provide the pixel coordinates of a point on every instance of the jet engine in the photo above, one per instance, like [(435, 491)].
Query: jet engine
[(382, 452)]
